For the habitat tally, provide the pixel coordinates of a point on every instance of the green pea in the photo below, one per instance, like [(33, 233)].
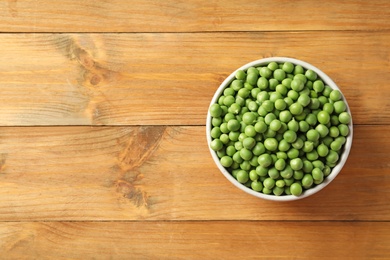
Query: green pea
[(334, 131), (335, 95), (237, 157), (277, 191), (226, 161), (280, 104), (288, 67), (288, 182), (307, 166), (304, 100), (262, 83), (283, 145), (307, 181), (275, 125), (268, 105), (298, 144), (269, 183), (297, 84), (311, 119), (255, 92), (271, 144), (240, 74), (339, 106), (266, 190), (285, 116), (265, 72), (215, 110), (265, 160), (245, 165), (322, 150), (224, 138), (290, 136), (298, 70), (322, 130), (318, 86), (252, 78), (246, 154), (257, 186), (273, 173), (336, 145), (312, 156), (296, 164), (308, 146), (216, 145), (323, 117), (343, 129), (303, 126), (293, 125), (233, 125), (312, 135), (311, 75), (332, 157), (314, 103), (280, 164), (281, 155), (293, 94), (287, 173), (317, 174), (296, 189), (334, 120), (293, 153), (273, 65), (242, 176), (344, 118), (301, 77), (298, 175), (279, 74)]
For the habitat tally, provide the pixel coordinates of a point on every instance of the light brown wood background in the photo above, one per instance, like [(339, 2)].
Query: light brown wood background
[(103, 152)]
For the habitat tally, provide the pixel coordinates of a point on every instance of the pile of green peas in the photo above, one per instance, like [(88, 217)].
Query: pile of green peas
[(278, 128)]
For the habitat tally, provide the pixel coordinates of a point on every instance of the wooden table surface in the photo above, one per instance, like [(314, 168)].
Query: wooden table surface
[(103, 153)]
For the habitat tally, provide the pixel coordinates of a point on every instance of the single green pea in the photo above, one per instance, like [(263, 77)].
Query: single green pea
[(237, 157), (311, 75), (323, 117), (266, 190), (297, 84), (293, 125), (215, 110), (322, 150), (215, 132), (221, 153), (307, 181), (229, 92), (224, 138), (304, 100), (271, 144), (339, 106), (311, 119), (285, 116), (216, 121), (344, 118), (309, 85), (242, 176), (230, 150), (277, 191), (322, 130), (250, 131), (298, 175), (265, 160), (273, 173), (246, 154), (312, 135), (257, 186), (298, 144), (294, 95), (312, 156), (288, 67), (233, 125), (332, 156), (269, 118), (254, 161), (279, 74), (283, 145), (296, 189), (287, 190), (238, 145), (293, 153), (296, 164), (318, 86), (303, 126), (255, 92), (262, 83), (268, 105), (314, 103), (280, 164), (269, 183), (275, 125), (287, 173), (327, 170), (216, 145), (237, 84), (281, 89), (323, 100), (252, 78), (261, 171), (328, 107), (249, 143), (261, 127), (280, 104), (308, 146), (307, 166), (336, 145), (290, 136), (335, 95), (317, 174), (273, 83), (334, 131), (269, 133), (288, 182), (249, 118), (246, 166), (226, 161), (298, 69), (265, 72), (235, 109), (327, 90), (240, 74), (343, 129), (253, 175), (273, 65)]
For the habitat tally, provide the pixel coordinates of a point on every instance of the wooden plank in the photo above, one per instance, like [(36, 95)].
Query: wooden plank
[(169, 79), (166, 173), (191, 16), (195, 240)]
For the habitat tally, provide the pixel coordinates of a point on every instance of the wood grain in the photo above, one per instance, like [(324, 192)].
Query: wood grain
[(139, 79), (195, 240), (191, 16), (166, 173)]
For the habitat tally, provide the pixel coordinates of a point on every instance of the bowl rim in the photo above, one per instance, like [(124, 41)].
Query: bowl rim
[(335, 171)]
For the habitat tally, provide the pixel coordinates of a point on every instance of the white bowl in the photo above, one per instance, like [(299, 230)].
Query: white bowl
[(335, 170)]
